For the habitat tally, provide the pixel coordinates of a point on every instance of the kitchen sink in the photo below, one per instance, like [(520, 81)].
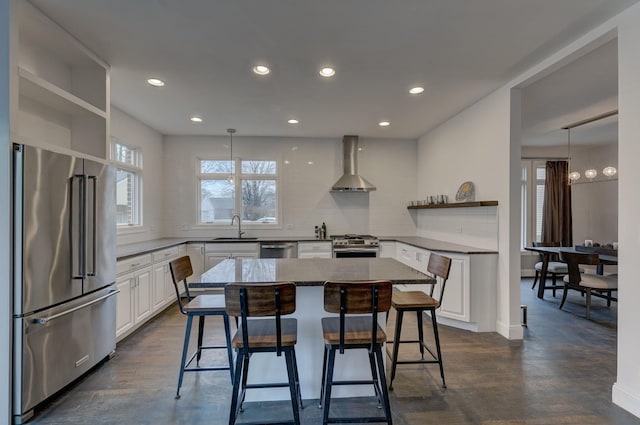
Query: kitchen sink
[(234, 239)]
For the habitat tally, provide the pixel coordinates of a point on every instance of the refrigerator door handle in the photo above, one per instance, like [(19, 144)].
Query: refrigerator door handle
[(77, 234), (45, 320), (94, 233)]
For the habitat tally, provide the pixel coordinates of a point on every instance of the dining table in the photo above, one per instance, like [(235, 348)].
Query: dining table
[(547, 252), (309, 276)]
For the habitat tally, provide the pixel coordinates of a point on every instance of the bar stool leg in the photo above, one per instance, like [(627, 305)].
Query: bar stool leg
[(374, 378), (385, 394), (437, 338), (233, 411), (293, 386), (297, 377), (420, 333), (185, 347), (327, 385), (396, 345), (227, 335), (200, 334), (324, 376)]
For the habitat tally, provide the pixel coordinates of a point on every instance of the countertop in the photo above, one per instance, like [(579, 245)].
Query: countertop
[(309, 271), (128, 250)]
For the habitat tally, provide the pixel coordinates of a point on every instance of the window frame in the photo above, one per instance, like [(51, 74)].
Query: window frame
[(528, 199), (136, 168), (239, 177)]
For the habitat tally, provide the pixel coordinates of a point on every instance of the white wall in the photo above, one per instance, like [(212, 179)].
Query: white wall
[(626, 391), (132, 132), (475, 145), (306, 201)]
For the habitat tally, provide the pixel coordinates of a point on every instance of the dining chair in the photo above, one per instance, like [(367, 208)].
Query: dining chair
[(555, 268), (362, 301), (586, 283), (403, 301), (200, 306), (263, 330)]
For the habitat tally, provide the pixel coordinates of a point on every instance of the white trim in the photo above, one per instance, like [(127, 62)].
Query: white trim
[(626, 399)]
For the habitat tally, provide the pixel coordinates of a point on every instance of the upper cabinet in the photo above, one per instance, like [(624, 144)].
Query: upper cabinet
[(63, 90)]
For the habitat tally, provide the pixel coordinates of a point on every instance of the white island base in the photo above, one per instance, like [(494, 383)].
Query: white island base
[(352, 365)]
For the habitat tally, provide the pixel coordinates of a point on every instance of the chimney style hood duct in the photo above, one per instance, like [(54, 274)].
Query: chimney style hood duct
[(351, 181)]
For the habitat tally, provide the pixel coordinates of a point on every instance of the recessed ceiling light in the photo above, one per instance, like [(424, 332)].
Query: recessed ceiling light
[(310, 162), (261, 70), (286, 161), (416, 90), (384, 123), (196, 119), (293, 121), (155, 82), (327, 72)]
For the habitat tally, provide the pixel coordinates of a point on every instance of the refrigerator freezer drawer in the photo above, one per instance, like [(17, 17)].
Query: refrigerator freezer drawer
[(61, 344)]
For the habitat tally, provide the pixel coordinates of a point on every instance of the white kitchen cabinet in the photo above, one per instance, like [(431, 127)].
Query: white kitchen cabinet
[(455, 303), (388, 249), (217, 252), (163, 291), (195, 251), (133, 305), (63, 96), (469, 297), (315, 249)]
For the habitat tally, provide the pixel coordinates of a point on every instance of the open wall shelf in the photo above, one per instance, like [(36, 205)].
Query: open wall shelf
[(455, 205)]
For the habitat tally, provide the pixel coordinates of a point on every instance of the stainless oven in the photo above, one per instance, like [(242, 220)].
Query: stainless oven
[(354, 246)]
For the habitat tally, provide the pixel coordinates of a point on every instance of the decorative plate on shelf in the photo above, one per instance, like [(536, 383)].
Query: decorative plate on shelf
[(466, 193)]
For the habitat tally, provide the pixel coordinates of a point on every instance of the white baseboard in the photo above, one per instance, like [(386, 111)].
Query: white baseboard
[(625, 399), (527, 273), (512, 332)]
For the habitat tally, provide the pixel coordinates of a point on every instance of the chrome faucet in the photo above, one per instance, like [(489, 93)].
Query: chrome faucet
[(240, 232)]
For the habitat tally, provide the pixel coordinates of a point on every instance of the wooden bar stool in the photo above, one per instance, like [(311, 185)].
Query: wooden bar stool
[(272, 335), (200, 306), (365, 300), (419, 302)]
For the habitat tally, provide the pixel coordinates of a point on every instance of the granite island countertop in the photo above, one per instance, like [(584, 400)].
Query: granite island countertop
[(309, 271)]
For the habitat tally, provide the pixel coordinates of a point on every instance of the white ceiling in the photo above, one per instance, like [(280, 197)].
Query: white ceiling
[(460, 50), (583, 89)]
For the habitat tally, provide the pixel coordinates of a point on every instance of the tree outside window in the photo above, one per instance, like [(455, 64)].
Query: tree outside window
[(255, 180), (128, 161)]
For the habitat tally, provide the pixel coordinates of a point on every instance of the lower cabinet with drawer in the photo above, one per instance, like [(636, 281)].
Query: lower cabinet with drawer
[(217, 252), (470, 294), (319, 249), (146, 288), (133, 305)]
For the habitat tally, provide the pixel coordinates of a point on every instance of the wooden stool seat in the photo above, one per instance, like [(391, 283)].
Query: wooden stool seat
[(263, 333), (413, 300), (205, 303), (419, 302), (357, 330), (200, 307)]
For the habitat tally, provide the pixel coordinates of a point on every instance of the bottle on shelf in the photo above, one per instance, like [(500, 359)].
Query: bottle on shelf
[(323, 231)]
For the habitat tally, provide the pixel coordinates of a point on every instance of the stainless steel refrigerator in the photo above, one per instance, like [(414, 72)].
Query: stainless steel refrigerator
[(64, 270)]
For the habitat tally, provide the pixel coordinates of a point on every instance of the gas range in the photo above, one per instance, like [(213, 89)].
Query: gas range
[(355, 246), (357, 241)]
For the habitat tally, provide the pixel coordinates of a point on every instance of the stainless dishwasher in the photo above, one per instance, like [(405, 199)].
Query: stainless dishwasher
[(279, 250)]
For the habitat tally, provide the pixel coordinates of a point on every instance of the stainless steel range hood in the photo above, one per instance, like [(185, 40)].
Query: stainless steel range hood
[(351, 181)]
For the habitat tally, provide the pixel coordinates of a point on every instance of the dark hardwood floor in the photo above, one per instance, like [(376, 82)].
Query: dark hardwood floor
[(561, 373)]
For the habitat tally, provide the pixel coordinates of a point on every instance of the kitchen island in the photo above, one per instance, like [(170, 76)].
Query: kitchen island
[(309, 275)]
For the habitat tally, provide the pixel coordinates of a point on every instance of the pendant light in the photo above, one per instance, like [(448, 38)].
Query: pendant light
[(231, 177)]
